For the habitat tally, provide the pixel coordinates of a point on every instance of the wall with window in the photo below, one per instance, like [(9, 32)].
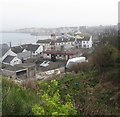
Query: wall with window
[(15, 61)]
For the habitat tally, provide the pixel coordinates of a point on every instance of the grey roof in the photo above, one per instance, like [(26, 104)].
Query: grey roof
[(84, 39), (12, 68), (44, 41), (17, 49), (8, 59), (4, 45), (30, 47), (58, 40), (3, 49), (64, 39)]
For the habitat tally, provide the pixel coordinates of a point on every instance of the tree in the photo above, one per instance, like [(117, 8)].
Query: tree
[(105, 56)]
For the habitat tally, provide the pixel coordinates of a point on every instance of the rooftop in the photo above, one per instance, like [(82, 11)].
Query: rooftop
[(3, 49), (83, 39), (8, 59), (30, 47), (44, 41), (12, 68), (17, 49)]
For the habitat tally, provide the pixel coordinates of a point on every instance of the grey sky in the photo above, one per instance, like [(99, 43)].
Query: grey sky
[(57, 13)]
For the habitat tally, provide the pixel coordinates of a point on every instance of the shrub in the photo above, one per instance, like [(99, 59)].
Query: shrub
[(105, 57), (16, 100), (51, 102)]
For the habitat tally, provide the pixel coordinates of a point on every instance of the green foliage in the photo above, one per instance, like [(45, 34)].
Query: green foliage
[(51, 102), (82, 67), (16, 100), (105, 56), (91, 95), (110, 36)]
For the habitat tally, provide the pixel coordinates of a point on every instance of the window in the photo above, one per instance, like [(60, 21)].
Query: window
[(84, 46)]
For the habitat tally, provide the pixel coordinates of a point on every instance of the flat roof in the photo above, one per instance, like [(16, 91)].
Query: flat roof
[(12, 68), (60, 53)]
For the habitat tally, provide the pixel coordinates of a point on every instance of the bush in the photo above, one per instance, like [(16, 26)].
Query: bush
[(105, 56), (51, 102), (82, 67), (16, 100)]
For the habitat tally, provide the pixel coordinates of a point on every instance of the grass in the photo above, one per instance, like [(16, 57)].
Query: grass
[(16, 100), (90, 94)]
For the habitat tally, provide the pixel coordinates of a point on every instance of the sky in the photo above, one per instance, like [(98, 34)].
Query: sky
[(16, 14)]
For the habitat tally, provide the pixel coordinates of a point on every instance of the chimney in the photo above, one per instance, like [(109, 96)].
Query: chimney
[(10, 45)]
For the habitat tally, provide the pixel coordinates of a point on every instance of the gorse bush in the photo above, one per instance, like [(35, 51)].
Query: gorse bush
[(51, 102)]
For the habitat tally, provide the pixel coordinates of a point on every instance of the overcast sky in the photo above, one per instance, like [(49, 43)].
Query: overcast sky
[(56, 13)]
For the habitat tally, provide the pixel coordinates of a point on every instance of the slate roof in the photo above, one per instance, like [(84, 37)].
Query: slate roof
[(64, 39), (30, 47), (3, 49), (8, 59), (17, 49), (61, 39), (58, 40), (12, 68), (44, 41), (84, 39)]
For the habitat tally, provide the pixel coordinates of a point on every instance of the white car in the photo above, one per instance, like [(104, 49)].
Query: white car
[(44, 64)]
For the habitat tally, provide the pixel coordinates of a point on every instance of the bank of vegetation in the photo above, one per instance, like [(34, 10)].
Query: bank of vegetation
[(91, 89)]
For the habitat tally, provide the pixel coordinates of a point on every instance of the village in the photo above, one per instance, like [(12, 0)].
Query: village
[(46, 57)]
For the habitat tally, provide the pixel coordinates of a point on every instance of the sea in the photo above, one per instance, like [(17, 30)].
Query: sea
[(20, 38)]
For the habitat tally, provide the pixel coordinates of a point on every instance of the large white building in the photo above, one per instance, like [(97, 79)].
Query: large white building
[(83, 40)]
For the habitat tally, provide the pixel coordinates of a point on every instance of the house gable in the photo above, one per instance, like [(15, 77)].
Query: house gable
[(15, 61), (9, 52)]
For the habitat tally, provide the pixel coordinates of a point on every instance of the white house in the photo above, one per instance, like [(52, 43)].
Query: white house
[(21, 52), (58, 42), (6, 52), (45, 43), (87, 43), (83, 42), (11, 60), (64, 41), (33, 49)]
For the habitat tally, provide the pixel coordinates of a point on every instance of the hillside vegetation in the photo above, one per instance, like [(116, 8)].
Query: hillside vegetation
[(91, 89)]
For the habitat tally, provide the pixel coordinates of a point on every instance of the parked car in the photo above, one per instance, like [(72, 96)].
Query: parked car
[(44, 64)]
